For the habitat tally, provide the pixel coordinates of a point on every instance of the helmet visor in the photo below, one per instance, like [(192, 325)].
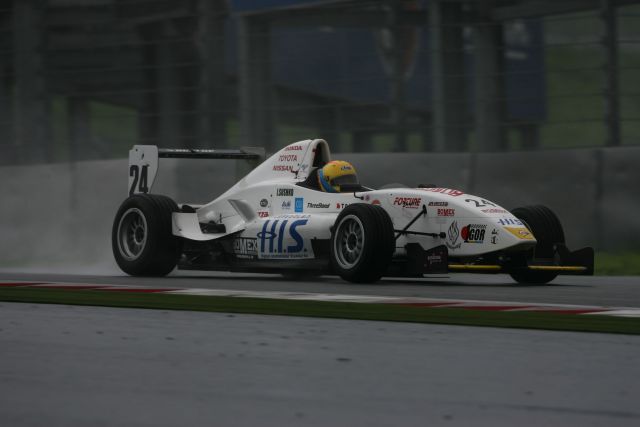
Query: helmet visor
[(345, 179)]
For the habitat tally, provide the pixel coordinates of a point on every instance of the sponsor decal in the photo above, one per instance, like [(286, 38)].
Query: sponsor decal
[(288, 158), (284, 192), (446, 212), (283, 168), (447, 191), (263, 214), (293, 216), (520, 233), (493, 210), (438, 203), (452, 236), (286, 205), (318, 205), (264, 203), (345, 168), (244, 247), (375, 202), (480, 203), (299, 207), (293, 148), (273, 235), (434, 258), (473, 233), (510, 221), (343, 205), (494, 236), (408, 202)]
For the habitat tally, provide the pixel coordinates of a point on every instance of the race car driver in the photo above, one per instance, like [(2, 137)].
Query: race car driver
[(336, 173)]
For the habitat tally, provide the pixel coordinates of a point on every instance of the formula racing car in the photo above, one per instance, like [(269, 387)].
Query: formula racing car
[(286, 216)]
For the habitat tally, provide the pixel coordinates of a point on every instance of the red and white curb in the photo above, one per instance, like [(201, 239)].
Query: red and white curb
[(503, 306)]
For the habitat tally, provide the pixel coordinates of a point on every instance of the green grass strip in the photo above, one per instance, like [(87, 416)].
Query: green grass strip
[(617, 264), (339, 310)]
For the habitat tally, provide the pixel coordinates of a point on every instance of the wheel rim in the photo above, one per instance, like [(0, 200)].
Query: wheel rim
[(348, 244), (132, 234)]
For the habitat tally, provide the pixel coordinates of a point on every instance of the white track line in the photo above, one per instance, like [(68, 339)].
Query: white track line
[(451, 303)]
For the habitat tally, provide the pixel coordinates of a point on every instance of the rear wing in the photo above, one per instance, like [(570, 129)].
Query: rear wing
[(143, 162)]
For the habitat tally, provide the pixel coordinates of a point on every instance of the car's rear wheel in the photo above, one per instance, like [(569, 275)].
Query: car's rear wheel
[(362, 243), (548, 231), (141, 238)]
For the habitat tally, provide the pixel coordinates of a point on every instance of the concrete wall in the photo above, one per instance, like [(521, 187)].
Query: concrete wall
[(58, 214), (62, 213)]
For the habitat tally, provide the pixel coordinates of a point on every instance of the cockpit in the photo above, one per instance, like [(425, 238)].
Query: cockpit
[(331, 176)]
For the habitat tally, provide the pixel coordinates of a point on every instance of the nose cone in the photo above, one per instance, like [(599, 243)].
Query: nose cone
[(521, 233), (516, 237)]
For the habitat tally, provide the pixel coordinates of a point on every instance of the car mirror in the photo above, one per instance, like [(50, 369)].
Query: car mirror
[(348, 188)]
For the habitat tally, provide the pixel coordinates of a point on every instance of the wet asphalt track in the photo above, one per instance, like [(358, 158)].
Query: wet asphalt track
[(598, 290), (88, 366), (96, 366)]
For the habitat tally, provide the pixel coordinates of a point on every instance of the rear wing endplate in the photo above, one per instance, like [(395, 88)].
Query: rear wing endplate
[(143, 162)]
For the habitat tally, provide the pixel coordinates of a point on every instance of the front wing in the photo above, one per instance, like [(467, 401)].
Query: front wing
[(437, 261)]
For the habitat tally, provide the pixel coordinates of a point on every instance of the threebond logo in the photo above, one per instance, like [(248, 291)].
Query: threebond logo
[(318, 205), (273, 232)]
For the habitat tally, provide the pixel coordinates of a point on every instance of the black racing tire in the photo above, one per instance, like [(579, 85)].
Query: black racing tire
[(362, 243), (141, 237), (548, 231)]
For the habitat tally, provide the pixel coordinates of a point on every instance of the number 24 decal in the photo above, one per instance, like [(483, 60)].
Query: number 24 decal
[(139, 179), (480, 203)]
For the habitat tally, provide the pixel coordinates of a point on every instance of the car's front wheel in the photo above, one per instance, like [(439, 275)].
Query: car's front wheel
[(548, 231), (141, 238), (362, 243)]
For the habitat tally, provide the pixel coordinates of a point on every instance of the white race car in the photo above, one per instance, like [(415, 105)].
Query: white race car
[(277, 219)]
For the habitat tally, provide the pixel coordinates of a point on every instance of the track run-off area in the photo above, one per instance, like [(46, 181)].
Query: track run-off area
[(461, 299), (602, 291)]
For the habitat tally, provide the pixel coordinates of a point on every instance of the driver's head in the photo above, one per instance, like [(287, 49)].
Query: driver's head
[(334, 174)]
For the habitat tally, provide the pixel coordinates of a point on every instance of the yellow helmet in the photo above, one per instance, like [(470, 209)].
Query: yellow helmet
[(336, 173)]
